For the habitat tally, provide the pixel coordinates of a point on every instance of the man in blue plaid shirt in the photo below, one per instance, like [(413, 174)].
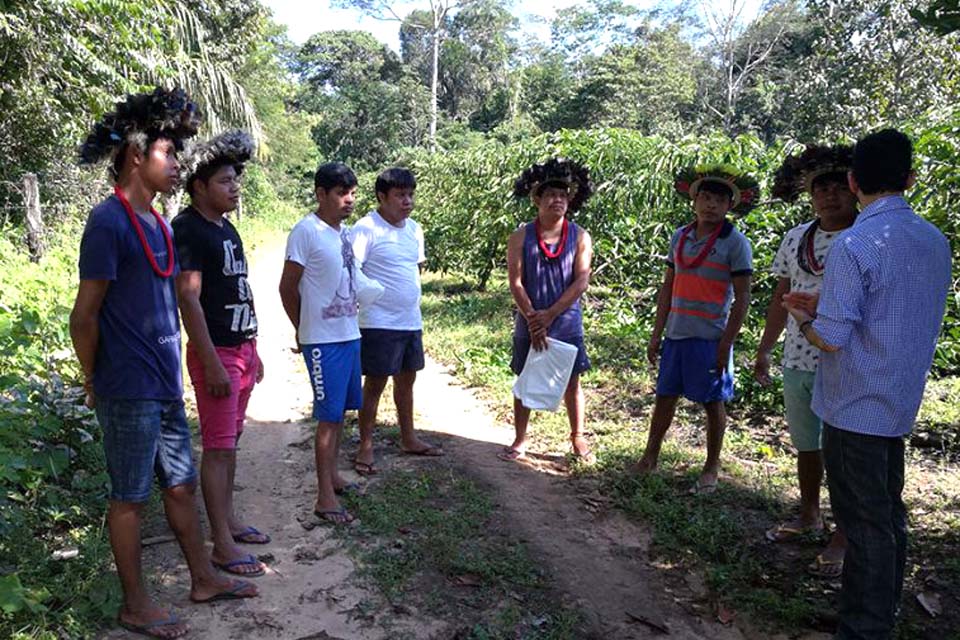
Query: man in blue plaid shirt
[(877, 320)]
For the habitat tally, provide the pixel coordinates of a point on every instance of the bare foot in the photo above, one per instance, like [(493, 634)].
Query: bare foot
[(642, 467), (581, 449), (154, 622), (417, 447)]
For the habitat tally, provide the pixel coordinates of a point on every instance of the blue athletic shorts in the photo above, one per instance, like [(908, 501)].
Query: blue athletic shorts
[(386, 352), (334, 370), (143, 439), (688, 368)]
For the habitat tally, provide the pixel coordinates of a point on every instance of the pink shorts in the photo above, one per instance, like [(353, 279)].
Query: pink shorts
[(221, 419)]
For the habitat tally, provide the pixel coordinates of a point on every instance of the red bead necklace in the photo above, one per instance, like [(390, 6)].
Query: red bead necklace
[(700, 257), (560, 245), (163, 273)]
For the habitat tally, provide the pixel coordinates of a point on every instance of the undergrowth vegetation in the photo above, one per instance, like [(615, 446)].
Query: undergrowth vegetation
[(719, 535)]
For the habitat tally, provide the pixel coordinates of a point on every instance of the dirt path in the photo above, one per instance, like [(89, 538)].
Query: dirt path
[(594, 555)]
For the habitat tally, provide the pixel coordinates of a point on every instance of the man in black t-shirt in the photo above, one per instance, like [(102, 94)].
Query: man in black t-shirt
[(218, 313)]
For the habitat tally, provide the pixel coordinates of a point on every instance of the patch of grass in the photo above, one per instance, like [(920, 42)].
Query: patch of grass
[(432, 539), (721, 534)]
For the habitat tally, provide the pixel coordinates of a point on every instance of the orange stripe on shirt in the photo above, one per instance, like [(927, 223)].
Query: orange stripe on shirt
[(694, 288), (716, 265), (694, 312)]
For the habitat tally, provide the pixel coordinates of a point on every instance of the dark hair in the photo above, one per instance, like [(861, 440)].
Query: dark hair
[(334, 174), (395, 178), (207, 171), (717, 188), (882, 161), (839, 177)]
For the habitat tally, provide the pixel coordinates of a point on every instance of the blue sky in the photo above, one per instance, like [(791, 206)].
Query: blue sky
[(303, 18)]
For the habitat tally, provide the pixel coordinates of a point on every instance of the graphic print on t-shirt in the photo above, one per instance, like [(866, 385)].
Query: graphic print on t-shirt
[(216, 250), (244, 319), (345, 299)]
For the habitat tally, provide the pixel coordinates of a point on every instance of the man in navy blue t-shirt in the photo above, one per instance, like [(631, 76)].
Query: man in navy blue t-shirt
[(126, 333)]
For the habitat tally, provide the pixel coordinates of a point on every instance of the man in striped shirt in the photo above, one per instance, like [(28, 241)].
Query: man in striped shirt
[(876, 323), (701, 307)]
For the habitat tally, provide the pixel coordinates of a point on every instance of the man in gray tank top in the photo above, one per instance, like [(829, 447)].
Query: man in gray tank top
[(548, 262)]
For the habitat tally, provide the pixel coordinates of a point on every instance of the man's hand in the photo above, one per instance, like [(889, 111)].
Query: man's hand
[(653, 350), (90, 398), (805, 301), (259, 370), (723, 356), (216, 379), (538, 323), (761, 368), (799, 306)]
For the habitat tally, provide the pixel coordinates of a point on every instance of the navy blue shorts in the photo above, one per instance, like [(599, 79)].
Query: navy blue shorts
[(385, 352), (688, 368), (143, 439), (334, 370), (521, 347)]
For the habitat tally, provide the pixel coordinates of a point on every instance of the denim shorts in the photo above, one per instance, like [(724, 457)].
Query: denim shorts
[(386, 352), (143, 439), (688, 368)]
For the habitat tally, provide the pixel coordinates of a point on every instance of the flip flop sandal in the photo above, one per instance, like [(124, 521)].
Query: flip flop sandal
[(242, 537), (245, 561), (334, 516), (785, 533), (149, 629), (235, 592), (364, 468), (826, 569), (509, 454)]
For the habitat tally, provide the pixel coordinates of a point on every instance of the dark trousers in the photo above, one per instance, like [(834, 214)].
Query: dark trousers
[(865, 476)]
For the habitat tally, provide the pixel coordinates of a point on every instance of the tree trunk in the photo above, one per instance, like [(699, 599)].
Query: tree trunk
[(33, 218), (435, 75)]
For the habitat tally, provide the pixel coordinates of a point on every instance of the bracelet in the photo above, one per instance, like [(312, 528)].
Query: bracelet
[(804, 325)]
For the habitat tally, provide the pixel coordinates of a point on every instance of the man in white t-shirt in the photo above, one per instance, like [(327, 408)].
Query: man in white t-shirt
[(799, 264), (319, 293), (389, 249)]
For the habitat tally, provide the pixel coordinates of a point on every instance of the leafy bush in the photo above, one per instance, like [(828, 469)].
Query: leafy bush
[(465, 206)]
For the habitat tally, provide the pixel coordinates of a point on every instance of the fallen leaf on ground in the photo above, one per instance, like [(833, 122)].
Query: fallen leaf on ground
[(468, 580), (930, 602)]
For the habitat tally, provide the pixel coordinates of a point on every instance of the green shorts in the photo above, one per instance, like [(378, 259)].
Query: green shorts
[(805, 427)]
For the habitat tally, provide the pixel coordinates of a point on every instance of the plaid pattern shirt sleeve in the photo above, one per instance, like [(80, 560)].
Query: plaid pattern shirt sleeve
[(842, 295)]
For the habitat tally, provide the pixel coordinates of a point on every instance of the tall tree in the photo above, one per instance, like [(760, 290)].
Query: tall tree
[(367, 107), (739, 46), (435, 27)]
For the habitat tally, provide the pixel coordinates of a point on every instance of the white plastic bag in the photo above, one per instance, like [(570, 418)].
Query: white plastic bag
[(368, 290), (545, 375)]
